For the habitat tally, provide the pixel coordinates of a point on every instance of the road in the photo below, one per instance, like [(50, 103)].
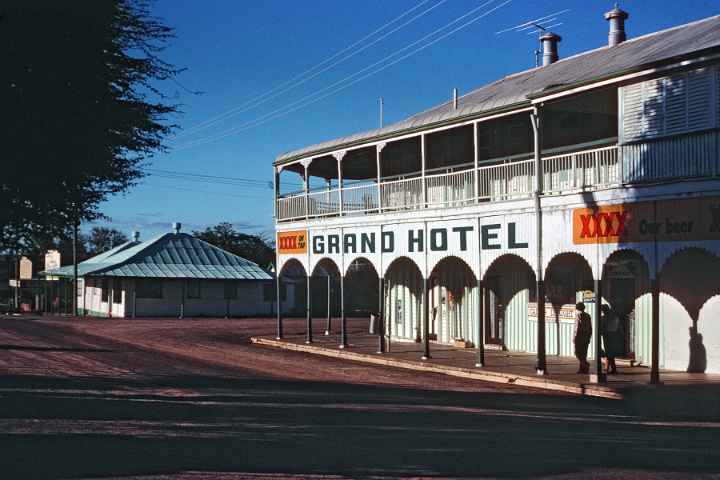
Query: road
[(192, 399)]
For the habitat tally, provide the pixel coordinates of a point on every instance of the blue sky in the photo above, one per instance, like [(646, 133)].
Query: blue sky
[(236, 51)]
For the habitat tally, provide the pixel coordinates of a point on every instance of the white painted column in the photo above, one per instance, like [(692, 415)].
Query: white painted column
[(306, 185), (339, 156), (476, 174), (378, 150), (422, 166)]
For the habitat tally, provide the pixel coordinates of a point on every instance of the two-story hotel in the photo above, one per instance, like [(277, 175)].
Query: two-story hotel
[(592, 178)]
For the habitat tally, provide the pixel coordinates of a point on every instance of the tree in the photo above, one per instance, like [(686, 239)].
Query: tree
[(255, 248), (102, 239), (82, 110)]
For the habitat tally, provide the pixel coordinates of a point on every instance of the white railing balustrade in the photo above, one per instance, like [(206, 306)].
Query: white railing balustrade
[(323, 202), (579, 170), (506, 181), (402, 194), (291, 207), (360, 198), (450, 189)]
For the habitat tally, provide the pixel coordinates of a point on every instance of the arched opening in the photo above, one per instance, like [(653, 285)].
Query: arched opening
[(690, 311), (293, 288), (509, 286), (324, 291), (626, 288), (453, 302), (568, 280), (404, 299), (361, 288)]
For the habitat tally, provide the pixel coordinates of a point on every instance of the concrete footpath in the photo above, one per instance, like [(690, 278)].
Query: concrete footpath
[(631, 382)]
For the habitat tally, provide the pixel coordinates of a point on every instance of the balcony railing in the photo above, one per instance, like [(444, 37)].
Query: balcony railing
[(402, 194), (360, 198), (688, 156), (506, 181), (580, 170)]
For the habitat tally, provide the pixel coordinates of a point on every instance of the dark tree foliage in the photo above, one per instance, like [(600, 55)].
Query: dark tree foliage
[(81, 110), (102, 239), (255, 248)]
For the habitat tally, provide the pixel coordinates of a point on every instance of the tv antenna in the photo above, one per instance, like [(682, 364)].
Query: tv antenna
[(537, 26)]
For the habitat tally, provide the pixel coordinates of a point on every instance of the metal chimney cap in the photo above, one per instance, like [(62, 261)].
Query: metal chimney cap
[(176, 227), (550, 36), (135, 235), (616, 12)]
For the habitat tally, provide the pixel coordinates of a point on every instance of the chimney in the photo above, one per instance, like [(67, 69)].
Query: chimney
[(617, 18), (549, 43), (136, 236), (455, 98), (176, 227)]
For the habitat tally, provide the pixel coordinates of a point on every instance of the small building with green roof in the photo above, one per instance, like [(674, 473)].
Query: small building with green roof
[(173, 274)]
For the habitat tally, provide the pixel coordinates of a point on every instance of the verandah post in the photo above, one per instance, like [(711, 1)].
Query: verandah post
[(426, 320), (329, 311), (278, 287), (308, 313), (381, 315), (599, 375), (480, 361), (655, 332), (343, 320)]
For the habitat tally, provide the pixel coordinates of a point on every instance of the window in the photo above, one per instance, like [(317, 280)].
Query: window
[(193, 289), (104, 290), (679, 103), (231, 290), (148, 288)]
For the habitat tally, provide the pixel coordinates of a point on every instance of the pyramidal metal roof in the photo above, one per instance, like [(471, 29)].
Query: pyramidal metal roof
[(171, 255), (92, 263), (515, 91)]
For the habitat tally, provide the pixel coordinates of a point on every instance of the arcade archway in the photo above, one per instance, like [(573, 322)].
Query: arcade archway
[(453, 302), (568, 280), (690, 312), (404, 300), (509, 286)]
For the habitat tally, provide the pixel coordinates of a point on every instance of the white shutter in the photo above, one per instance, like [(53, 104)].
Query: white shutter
[(653, 108), (699, 95), (632, 112), (678, 103)]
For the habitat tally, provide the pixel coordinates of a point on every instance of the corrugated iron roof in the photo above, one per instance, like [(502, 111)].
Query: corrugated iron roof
[(515, 90), (171, 255), (92, 263)]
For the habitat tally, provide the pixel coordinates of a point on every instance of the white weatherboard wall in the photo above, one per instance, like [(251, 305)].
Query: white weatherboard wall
[(250, 300)]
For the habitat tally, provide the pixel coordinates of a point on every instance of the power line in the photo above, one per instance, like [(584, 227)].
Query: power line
[(308, 100), (213, 179), (313, 72), (184, 189)]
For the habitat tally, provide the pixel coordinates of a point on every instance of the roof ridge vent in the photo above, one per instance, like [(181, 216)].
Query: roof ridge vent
[(549, 41), (617, 18), (135, 236), (176, 226)]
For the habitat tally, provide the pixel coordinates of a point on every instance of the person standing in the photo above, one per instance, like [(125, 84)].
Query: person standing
[(612, 335), (581, 336)]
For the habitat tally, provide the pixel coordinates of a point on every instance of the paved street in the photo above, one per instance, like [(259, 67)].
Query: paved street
[(191, 399)]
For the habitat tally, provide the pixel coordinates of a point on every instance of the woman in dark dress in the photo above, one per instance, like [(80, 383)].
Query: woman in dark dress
[(612, 335)]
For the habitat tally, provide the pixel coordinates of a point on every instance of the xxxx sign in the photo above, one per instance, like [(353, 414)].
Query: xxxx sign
[(292, 242), (689, 219)]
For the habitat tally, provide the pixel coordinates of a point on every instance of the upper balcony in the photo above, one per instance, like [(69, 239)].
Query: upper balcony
[(605, 138)]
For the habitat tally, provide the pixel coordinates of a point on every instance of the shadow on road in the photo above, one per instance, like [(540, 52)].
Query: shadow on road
[(96, 427)]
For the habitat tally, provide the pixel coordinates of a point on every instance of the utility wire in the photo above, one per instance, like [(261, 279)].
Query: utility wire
[(308, 99), (313, 72)]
